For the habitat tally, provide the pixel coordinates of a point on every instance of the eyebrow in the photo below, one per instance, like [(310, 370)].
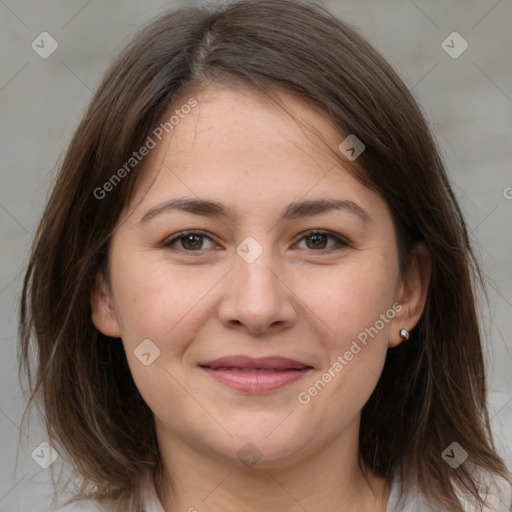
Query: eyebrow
[(208, 208)]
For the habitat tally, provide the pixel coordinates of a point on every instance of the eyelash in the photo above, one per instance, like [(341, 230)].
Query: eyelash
[(342, 243)]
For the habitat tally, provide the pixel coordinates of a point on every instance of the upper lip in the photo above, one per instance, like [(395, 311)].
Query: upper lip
[(246, 362)]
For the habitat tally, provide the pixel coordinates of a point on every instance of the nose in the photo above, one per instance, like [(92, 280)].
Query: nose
[(257, 298)]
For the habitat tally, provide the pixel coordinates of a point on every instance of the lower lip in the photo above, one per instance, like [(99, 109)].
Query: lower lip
[(256, 382)]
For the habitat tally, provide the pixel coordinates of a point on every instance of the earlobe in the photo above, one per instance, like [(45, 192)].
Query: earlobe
[(103, 315), (412, 293)]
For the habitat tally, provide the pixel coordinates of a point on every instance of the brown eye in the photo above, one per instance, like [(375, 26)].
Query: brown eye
[(191, 241), (318, 241)]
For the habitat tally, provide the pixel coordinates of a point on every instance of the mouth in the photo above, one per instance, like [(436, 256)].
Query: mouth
[(255, 375)]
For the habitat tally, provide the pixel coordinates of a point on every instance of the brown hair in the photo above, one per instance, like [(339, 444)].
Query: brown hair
[(432, 390)]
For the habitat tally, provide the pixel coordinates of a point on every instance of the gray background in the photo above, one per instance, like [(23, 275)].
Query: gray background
[(467, 100)]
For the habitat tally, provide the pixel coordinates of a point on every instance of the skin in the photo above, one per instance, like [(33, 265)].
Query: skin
[(297, 300)]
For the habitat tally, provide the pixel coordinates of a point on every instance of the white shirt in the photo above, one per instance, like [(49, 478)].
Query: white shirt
[(499, 499)]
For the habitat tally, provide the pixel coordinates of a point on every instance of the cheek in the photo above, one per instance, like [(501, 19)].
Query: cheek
[(156, 299), (153, 309), (354, 297), (356, 311), (159, 302)]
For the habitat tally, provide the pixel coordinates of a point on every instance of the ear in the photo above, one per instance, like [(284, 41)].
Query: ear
[(411, 292), (103, 315)]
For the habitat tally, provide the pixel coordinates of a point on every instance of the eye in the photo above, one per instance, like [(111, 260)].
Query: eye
[(190, 241), (193, 241), (319, 239)]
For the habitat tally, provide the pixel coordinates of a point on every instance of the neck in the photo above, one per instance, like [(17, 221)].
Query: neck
[(195, 481)]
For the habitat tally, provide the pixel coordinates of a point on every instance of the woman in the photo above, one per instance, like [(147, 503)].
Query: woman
[(252, 287)]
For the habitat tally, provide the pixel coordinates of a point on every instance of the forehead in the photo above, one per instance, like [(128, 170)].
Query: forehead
[(238, 143), (230, 121)]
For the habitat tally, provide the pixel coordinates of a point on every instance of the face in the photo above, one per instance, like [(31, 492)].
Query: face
[(257, 318)]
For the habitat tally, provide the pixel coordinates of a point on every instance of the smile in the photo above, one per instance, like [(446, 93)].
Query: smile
[(255, 375)]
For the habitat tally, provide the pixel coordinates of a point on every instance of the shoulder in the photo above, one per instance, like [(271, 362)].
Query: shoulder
[(498, 497), (146, 491), (84, 506)]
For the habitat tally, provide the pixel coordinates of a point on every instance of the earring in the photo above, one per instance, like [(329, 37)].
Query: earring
[(404, 333)]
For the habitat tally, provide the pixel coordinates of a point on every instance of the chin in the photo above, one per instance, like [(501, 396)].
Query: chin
[(258, 448)]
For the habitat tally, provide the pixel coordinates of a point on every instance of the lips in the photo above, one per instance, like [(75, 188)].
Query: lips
[(250, 363), (255, 375)]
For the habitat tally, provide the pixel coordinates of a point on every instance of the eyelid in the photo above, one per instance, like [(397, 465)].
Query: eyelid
[(339, 239), (341, 242), (168, 242)]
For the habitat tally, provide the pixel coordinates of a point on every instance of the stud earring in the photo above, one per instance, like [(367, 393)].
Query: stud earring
[(404, 333)]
